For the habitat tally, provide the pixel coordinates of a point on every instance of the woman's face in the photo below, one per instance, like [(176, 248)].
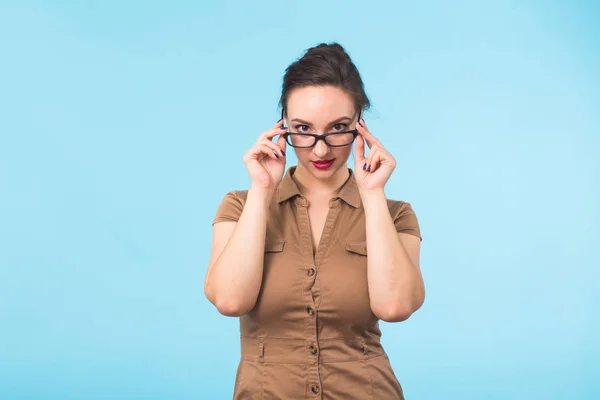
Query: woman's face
[(319, 110)]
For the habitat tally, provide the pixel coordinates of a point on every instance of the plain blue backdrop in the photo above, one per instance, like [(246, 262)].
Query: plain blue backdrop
[(123, 124)]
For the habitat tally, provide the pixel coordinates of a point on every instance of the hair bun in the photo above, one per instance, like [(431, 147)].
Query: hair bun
[(325, 64), (329, 49)]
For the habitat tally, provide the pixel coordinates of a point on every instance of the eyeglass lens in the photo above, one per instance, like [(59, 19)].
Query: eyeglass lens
[(335, 139)]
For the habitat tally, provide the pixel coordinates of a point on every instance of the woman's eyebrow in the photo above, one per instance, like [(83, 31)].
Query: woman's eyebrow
[(300, 120)]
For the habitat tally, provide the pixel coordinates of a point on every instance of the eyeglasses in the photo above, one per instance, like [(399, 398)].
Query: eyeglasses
[(308, 140)]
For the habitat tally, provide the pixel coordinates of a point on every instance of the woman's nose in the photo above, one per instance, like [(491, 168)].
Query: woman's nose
[(321, 148)]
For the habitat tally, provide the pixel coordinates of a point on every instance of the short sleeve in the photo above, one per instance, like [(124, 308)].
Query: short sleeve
[(231, 208), (405, 219)]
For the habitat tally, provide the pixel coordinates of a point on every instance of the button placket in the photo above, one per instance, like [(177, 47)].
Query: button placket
[(311, 307)]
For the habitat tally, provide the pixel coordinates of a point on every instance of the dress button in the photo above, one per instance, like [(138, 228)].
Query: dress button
[(315, 389), (312, 349), (310, 311), (311, 272)]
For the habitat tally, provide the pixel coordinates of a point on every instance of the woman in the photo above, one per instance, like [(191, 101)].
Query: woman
[(311, 261)]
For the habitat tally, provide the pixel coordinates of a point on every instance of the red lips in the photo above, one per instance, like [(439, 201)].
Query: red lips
[(323, 164)]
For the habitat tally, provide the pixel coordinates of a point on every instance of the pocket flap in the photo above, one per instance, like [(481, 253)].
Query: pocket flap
[(357, 247), (274, 246)]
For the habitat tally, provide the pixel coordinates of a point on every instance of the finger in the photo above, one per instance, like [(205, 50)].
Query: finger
[(372, 156), (262, 150), (360, 150), (370, 139), (376, 162), (271, 133), (275, 147), (277, 124), (270, 151), (282, 144)]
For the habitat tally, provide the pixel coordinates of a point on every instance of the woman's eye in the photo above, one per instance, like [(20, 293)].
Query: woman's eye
[(302, 128), (339, 127)]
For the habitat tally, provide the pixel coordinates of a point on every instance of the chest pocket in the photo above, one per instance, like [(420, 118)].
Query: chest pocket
[(274, 246), (359, 247)]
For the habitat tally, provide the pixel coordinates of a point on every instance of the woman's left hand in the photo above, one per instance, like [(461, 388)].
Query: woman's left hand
[(371, 172)]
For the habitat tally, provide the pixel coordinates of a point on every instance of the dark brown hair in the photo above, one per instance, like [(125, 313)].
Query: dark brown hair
[(325, 65)]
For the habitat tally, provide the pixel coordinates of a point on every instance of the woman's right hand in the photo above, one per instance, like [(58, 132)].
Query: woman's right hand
[(265, 161)]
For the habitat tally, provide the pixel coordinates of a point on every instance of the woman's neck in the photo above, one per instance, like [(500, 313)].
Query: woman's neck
[(312, 187)]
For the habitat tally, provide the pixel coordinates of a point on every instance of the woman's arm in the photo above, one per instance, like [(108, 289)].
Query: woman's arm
[(235, 267), (395, 283), (396, 288)]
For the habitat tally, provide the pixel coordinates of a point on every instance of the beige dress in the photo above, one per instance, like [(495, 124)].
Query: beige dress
[(312, 334)]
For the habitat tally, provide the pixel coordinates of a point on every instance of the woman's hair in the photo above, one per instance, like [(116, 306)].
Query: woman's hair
[(325, 65)]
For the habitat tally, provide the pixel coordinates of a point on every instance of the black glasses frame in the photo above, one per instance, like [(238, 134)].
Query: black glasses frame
[(324, 136)]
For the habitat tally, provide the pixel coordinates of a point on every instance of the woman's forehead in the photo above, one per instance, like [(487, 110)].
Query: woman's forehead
[(319, 102)]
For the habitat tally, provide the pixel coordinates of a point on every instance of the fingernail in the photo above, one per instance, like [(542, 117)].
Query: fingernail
[(276, 155), (360, 123), (369, 169), (280, 119), (283, 152), (365, 166)]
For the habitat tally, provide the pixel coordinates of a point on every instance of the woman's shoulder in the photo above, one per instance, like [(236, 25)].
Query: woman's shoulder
[(240, 195), (404, 217), (235, 197), (397, 206), (231, 206)]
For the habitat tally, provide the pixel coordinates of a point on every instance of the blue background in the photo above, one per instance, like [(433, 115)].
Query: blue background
[(123, 124)]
